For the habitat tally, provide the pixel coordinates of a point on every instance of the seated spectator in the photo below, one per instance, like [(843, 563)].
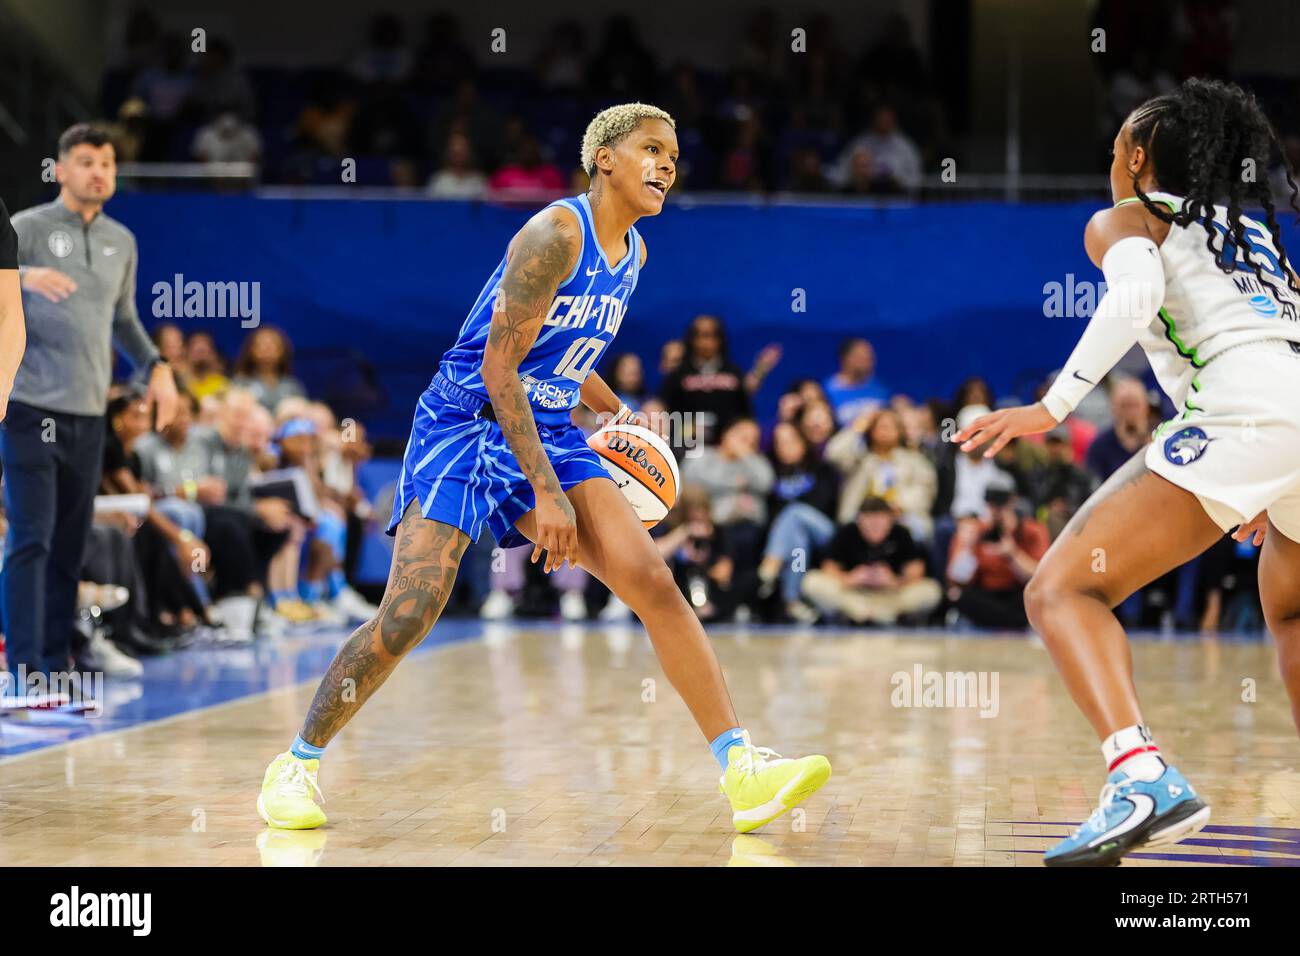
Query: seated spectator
[(801, 475), (973, 391), (227, 139), (1132, 418), (876, 464), (671, 354), (737, 479), (626, 377), (459, 177), (527, 174), (873, 571), (806, 175), (263, 367), (322, 586), (170, 342), (863, 179), (920, 427), (991, 560), (854, 389), (205, 367), (1059, 487), (695, 549), (1084, 422), (803, 504), (246, 533), (970, 474), (325, 124), (896, 162), (168, 546), (124, 632), (706, 389), (789, 407), (816, 423)]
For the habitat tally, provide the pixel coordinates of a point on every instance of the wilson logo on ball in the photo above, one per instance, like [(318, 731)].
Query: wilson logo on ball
[(643, 467), (637, 456)]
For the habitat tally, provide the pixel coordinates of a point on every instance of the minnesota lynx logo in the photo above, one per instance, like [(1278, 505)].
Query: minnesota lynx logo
[(1186, 445)]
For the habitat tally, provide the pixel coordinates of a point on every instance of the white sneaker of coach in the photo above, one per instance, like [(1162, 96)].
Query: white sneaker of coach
[(573, 606), (498, 606), (113, 662), (354, 605), (615, 610)]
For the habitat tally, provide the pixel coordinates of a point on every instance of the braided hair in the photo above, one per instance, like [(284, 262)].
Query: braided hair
[(1200, 137)]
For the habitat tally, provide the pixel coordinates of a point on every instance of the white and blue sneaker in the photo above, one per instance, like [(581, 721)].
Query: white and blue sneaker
[(1132, 814)]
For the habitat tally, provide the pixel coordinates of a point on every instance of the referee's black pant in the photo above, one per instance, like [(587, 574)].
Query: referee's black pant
[(52, 463)]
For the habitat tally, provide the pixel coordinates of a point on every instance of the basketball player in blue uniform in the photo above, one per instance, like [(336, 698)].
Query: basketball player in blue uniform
[(493, 445)]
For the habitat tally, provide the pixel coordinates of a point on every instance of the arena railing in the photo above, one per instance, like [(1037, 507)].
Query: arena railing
[(1024, 187)]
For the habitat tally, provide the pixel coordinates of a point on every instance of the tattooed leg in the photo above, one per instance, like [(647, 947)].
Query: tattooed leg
[(425, 560), (1107, 551)]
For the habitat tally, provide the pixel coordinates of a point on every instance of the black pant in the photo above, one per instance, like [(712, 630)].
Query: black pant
[(170, 592), (52, 463), (998, 609), (242, 547)]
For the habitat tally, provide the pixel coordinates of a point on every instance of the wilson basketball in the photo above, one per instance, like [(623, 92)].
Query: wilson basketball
[(643, 467)]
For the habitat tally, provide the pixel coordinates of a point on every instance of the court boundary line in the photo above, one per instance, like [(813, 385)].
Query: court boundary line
[(207, 708)]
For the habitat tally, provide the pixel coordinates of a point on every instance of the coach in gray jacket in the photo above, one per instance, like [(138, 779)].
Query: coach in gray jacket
[(77, 269)]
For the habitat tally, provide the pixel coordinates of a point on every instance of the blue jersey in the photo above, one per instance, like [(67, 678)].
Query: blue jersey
[(588, 308)]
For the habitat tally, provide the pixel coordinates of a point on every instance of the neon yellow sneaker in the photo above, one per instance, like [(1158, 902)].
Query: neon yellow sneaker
[(285, 800), (762, 785), (752, 851), (292, 847)]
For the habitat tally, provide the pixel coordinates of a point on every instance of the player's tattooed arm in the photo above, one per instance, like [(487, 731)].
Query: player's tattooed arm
[(541, 255)]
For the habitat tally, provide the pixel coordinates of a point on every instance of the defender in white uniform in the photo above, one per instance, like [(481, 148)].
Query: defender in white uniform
[(1225, 347), (1213, 300)]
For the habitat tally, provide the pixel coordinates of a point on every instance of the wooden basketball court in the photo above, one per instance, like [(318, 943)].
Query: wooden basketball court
[(565, 746)]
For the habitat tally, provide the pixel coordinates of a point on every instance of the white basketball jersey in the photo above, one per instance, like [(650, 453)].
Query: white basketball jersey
[(1207, 310)]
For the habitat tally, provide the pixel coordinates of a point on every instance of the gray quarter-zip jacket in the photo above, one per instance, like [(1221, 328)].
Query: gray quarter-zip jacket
[(68, 365)]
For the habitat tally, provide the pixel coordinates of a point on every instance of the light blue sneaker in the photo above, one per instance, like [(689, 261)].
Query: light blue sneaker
[(1132, 814)]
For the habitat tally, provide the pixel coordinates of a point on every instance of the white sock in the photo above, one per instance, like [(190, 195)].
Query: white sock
[(1133, 749)]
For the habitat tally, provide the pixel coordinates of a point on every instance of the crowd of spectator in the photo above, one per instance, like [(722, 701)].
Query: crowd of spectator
[(240, 517), (851, 506), (429, 108)]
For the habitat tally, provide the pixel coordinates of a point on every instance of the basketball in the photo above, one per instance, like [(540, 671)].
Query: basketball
[(643, 467)]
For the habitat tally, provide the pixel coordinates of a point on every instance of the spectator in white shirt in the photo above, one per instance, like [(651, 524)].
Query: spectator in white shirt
[(227, 139), (894, 157), (459, 178)]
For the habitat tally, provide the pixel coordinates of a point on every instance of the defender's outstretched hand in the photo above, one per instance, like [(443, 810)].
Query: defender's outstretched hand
[(1255, 528), (1003, 425)]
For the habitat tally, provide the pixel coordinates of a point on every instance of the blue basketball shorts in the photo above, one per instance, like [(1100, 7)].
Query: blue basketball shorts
[(460, 468)]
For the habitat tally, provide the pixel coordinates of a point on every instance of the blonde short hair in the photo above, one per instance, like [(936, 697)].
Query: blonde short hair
[(608, 128)]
